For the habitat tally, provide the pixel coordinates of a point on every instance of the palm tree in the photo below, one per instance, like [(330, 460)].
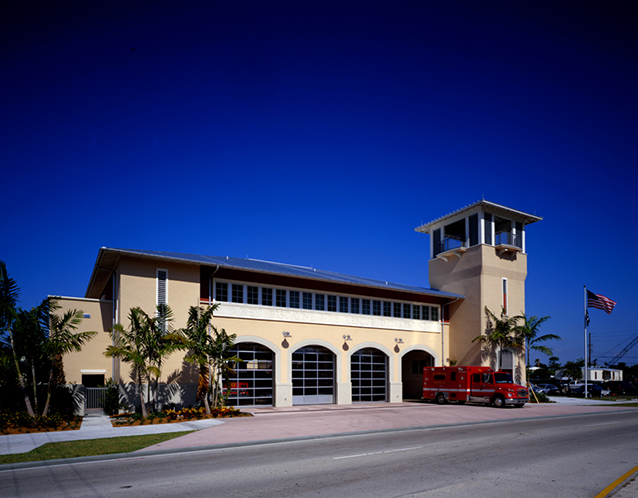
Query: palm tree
[(130, 347), (26, 339), (197, 340), (62, 340), (162, 342), (221, 356), (208, 348), (500, 333), (145, 345), (528, 335), (10, 321)]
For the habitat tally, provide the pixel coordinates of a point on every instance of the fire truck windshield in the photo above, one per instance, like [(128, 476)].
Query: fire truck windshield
[(502, 378)]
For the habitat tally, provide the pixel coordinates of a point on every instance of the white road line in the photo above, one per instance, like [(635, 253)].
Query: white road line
[(377, 453)]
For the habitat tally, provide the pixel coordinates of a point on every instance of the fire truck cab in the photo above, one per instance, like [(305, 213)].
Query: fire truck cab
[(472, 385)]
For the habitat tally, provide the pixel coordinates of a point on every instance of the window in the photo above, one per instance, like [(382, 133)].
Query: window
[(332, 303), (376, 308), (406, 311), (221, 291), (397, 310), (162, 286), (474, 235), (439, 376), (238, 293), (320, 302), (387, 308), (294, 299), (436, 242), (505, 296), (307, 300), (426, 313), (266, 297), (343, 304), (518, 237), (416, 312), (452, 376), (434, 314), (488, 228), (354, 305), (253, 294), (365, 306), (280, 298)]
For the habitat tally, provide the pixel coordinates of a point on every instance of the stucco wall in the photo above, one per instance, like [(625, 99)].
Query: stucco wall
[(91, 358)]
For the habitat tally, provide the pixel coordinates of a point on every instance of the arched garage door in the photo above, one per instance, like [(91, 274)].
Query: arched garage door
[(313, 376), (369, 375), (252, 382)]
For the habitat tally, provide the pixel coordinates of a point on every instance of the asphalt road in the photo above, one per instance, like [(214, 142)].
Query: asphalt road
[(574, 456)]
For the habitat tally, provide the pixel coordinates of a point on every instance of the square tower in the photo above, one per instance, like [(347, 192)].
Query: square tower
[(479, 251)]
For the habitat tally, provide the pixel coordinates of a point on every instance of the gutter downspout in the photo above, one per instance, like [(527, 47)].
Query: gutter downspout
[(443, 361)]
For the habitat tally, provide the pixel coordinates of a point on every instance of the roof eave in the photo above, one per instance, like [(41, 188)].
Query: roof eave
[(527, 217)]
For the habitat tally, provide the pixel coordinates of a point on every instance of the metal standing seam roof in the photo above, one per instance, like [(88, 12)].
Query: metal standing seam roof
[(256, 265), (527, 217)]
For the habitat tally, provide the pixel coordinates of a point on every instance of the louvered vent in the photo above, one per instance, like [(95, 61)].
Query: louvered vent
[(162, 276)]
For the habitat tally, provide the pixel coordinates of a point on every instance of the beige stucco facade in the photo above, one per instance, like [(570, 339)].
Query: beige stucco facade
[(478, 274), (133, 282)]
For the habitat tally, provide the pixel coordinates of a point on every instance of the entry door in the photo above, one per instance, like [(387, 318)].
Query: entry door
[(313, 376)]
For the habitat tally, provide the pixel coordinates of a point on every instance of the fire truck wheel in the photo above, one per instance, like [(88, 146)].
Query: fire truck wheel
[(498, 402), (440, 399)]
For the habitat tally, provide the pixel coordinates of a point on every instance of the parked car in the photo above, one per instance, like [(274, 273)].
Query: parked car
[(549, 389), (620, 387), (593, 391)]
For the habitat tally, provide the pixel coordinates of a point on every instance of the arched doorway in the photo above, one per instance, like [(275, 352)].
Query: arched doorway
[(369, 375), (252, 383), (412, 366), (313, 376)]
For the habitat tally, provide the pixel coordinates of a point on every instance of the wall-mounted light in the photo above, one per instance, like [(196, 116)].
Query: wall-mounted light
[(347, 337), (398, 340), (286, 333)]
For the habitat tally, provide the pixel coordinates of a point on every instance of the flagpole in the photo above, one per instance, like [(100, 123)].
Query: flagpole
[(585, 324)]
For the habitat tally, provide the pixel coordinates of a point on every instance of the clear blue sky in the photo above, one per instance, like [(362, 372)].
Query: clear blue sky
[(323, 133)]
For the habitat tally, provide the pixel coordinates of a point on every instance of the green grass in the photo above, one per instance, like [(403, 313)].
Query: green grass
[(90, 447)]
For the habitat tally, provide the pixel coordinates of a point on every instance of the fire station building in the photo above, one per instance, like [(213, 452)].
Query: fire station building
[(310, 336)]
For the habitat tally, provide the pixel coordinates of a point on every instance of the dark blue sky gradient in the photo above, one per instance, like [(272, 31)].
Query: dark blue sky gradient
[(320, 133)]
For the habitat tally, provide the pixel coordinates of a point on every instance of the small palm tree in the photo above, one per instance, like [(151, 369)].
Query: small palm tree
[(500, 333), (145, 345), (197, 341), (130, 346), (208, 348), (162, 342), (62, 340), (528, 335)]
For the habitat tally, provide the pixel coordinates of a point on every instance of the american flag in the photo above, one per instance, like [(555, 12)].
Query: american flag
[(601, 302)]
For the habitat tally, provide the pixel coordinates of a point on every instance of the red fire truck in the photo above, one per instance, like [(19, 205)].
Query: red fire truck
[(472, 385)]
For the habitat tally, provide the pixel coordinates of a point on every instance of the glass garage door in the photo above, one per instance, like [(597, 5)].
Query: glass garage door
[(368, 373), (312, 376), (252, 382)]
